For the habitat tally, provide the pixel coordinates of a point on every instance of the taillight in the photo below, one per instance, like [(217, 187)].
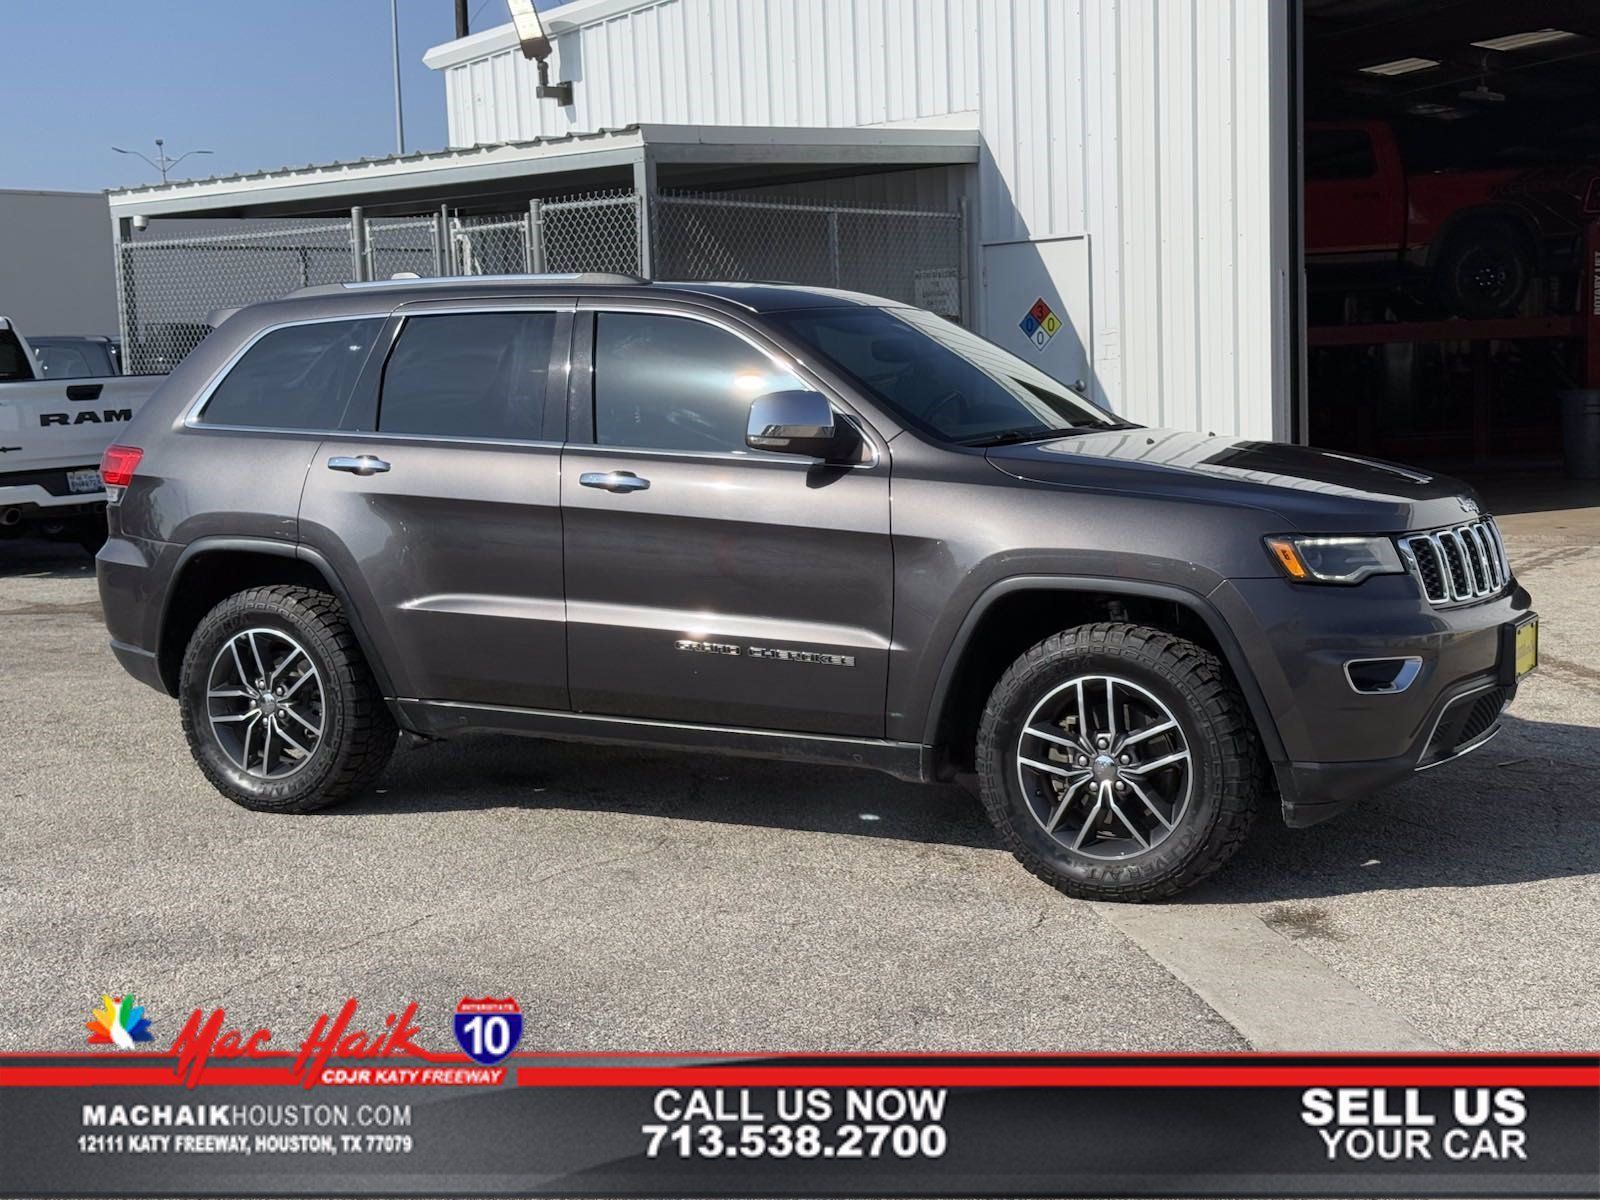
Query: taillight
[(118, 464)]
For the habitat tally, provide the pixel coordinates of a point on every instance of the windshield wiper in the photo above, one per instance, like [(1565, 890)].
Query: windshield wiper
[(1011, 437)]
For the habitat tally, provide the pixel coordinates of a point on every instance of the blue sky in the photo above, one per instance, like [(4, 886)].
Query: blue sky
[(262, 83)]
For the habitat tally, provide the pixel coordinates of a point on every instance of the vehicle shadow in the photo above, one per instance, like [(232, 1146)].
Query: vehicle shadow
[(36, 558), (492, 772), (1526, 807)]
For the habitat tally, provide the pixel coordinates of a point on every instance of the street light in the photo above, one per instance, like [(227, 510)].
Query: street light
[(161, 162)]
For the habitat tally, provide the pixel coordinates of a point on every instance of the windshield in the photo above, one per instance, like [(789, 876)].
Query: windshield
[(938, 378)]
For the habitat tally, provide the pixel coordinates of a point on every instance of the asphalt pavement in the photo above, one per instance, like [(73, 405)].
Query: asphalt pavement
[(635, 900)]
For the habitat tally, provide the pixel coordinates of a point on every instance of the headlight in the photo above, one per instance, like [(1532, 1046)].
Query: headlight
[(1334, 559)]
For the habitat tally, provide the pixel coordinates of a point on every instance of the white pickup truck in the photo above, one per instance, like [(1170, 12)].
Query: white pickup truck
[(52, 433)]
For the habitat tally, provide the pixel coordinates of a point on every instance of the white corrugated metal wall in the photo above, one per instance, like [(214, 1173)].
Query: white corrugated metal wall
[(1152, 126)]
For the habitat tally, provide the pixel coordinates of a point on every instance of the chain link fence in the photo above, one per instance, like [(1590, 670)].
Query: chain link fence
[(597, 231), (402, 245), (168, 288), (496, 245), (905, 254)]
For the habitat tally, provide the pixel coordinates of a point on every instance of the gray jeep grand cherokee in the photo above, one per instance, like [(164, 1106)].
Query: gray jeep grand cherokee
[(788, 522)]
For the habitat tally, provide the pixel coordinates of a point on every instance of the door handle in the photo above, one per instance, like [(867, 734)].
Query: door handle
[(361, 464), (613, 481), (84, 391)]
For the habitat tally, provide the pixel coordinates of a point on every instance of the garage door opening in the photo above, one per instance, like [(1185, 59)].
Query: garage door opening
[(1451, 159)]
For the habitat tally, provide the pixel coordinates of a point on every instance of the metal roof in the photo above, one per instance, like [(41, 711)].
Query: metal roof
[(193, 197), (573, 160), (415, 156)]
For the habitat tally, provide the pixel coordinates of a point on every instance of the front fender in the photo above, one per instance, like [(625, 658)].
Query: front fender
[(1227, 639)]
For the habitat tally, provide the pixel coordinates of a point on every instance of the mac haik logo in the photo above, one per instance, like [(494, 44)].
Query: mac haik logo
[(119, 1022), (204, 1038), (488, 1029)]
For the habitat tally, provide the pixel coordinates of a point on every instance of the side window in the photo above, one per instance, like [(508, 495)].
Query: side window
[(1339, 154), (298, 377), (13, 363), (478, 375), (673, 383)]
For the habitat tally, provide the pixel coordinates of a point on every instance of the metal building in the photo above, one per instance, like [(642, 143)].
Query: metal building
[(55, 268), (1132, 171), (1115, 169)]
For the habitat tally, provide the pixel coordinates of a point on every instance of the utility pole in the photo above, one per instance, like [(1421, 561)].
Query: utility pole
[(399, 110)]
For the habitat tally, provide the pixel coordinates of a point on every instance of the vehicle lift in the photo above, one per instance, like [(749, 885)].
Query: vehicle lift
[(1582, 326)]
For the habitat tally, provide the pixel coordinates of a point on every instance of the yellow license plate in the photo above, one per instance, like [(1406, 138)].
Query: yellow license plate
[(1527, 647)]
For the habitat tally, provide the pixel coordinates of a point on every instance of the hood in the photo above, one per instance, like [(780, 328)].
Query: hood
[(1309, 490)]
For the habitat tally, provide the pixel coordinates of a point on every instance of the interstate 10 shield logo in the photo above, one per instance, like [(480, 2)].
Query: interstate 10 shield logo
[(488, 1029)]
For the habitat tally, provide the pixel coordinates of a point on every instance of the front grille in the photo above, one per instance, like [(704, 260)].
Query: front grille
[(1464, 721), (1481, 716), (1460, 564)]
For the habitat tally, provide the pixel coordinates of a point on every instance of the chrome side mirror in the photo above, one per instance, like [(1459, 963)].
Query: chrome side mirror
[(794, 422)]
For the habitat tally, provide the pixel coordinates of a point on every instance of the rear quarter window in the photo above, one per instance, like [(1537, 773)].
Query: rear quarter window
[(296, 377)]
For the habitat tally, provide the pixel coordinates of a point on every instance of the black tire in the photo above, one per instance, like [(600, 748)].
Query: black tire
[(1223, 780), (1483, 271), (357, 731)]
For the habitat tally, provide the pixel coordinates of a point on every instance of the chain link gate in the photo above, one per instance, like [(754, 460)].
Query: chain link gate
[(168, 288), (496, 245), (597, 231), (397, 245)]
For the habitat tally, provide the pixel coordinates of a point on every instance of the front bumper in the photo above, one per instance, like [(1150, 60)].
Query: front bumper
[(1340, 744), (1468, 717)]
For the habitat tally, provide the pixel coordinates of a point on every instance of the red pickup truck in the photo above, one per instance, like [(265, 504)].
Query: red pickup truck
[(1475, 239)]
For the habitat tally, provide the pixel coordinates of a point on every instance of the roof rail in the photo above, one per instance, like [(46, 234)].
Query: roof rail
[(593, 278)]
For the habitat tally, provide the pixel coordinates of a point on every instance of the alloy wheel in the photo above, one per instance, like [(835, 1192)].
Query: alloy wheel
[(265, 703), (1105, 767)]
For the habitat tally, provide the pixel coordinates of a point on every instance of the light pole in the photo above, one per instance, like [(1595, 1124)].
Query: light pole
[(399, 113), (161, 162)]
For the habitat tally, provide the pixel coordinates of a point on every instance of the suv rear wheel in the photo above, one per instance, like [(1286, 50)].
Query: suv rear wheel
[(1118, 762), (280, 709)]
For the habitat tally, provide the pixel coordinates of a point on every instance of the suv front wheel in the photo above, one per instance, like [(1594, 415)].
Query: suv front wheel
[(1118, 762), (280, 709)]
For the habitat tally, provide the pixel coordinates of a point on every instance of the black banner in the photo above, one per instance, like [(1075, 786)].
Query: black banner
[(538, 1125)]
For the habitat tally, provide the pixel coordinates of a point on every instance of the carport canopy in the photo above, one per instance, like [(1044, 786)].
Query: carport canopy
[(490, 178)]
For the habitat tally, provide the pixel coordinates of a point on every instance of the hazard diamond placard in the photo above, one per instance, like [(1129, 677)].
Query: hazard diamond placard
[(1040, 323)]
